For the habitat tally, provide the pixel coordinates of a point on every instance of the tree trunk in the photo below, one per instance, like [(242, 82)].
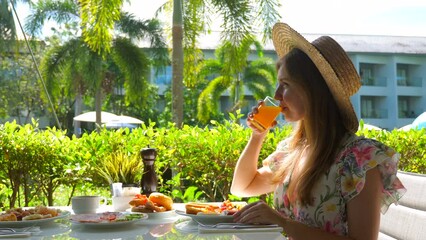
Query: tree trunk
[(98, 108), (77, 111), (177, 64)]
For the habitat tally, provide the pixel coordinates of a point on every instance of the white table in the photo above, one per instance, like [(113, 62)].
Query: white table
[(174, 227)]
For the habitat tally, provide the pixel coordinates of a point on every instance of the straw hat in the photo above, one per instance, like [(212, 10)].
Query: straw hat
[(333, 63)]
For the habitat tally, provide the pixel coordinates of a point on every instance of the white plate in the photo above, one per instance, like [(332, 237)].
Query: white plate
[(78, 219), (208, 218), (161, 215), (36, 222), (157, 215)]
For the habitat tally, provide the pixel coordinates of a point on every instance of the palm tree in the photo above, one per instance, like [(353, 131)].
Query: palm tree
[(257, 76), (8, 33), (97, 23), (7, 23), (177, 63), (240, 19), (76, 67)]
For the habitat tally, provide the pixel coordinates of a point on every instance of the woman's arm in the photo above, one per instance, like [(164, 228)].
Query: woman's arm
[(260, 212), (363, 215), (364, 209), (248, 180)]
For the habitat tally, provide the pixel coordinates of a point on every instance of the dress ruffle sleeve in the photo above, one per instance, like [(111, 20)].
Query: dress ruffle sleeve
[(362, 155), (274, 160)]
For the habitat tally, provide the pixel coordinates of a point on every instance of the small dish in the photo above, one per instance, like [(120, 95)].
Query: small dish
[(207, 219), (161, 215)]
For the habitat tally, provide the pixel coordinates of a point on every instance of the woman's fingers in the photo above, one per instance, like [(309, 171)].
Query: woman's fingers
[(257, 213), (242, 210), (246, 210), (255, 109)]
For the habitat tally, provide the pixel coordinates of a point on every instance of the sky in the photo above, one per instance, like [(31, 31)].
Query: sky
[(359, 17)]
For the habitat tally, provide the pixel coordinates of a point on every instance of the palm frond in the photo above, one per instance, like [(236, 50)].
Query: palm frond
[(7, 23), (207, 106), (135, 65), (237, 16), (60, 11), (97, 22), (148, 30), (55, 61), (93, 70), (210, 67), (268, 16), (260, 77)]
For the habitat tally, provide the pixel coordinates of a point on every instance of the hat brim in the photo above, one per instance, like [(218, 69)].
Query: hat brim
[(285, 39)]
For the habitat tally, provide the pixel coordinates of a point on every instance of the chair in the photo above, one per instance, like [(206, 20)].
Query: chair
[(407, 220)]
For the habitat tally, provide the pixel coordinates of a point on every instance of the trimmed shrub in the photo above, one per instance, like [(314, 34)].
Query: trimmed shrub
[(37, 164)]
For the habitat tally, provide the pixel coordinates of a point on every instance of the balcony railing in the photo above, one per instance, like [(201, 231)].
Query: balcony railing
[(375, 81), (410, 82), (410, 114), (375, 113)]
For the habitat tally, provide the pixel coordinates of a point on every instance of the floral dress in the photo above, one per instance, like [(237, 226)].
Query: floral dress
[(340, 184)]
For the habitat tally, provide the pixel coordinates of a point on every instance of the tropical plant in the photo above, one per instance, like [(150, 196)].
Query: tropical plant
[(8, 33), (121, 167), (19, 91), (75, 67), (258, 76), (97, 23), (239, 20), (41, 165)]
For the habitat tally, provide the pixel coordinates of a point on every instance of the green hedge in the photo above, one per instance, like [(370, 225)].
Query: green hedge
[(47, 167), (410, 144)]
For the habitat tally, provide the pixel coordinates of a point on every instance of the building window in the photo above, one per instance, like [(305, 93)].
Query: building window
[(368, 109), (367, 74), (403, 107), (402, 74), (407, 106), (162, 77)]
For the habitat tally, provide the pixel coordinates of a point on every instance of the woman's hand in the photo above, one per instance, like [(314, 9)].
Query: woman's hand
[(258, 213)]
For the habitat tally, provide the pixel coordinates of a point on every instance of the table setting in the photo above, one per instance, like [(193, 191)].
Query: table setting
[(89, 217)]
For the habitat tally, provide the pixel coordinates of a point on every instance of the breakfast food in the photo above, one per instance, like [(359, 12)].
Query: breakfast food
[(107, 217), (225, 208), (8, 217), (20, 214), (35, 216), (161, 200), (195, 208), (229, 208), (139, 200), (156, 202)]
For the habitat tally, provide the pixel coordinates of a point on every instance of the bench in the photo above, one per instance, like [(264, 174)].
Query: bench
[(407, 220)]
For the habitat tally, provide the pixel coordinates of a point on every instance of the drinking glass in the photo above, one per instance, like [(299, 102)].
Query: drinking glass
[(267, 112)]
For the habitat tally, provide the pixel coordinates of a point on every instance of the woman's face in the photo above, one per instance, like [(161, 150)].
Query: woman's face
[(289, 95)]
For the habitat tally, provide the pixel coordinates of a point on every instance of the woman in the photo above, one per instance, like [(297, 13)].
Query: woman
[(328, 183)]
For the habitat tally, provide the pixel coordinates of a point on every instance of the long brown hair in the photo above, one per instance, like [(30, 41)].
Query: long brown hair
[(318, 135)]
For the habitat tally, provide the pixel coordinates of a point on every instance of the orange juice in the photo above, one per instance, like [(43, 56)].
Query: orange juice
[(266, 115)]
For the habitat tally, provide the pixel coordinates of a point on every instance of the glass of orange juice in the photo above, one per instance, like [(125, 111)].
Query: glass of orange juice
[(268, 111)]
